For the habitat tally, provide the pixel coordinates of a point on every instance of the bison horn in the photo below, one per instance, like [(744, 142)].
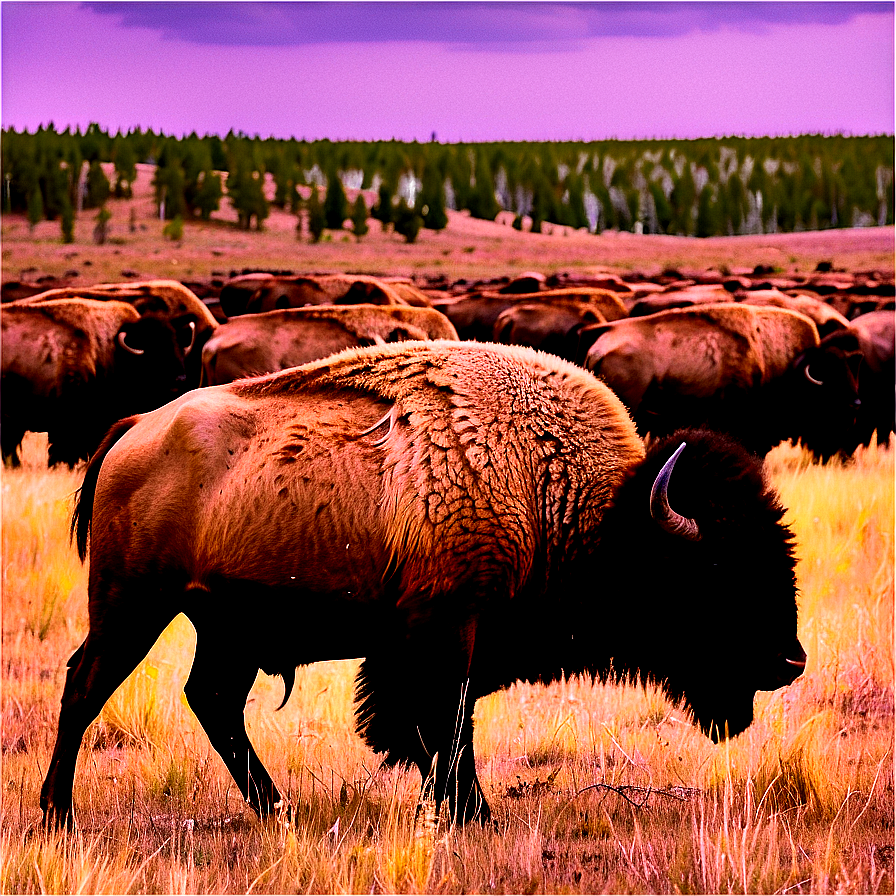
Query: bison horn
[(192, 326), (800, 663), (811, 378), (672, 522), (122, 341)]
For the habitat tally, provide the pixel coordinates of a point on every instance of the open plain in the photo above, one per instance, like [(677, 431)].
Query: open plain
[(594, 787)]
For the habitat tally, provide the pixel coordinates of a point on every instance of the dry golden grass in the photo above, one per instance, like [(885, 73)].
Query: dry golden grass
[(594, 788)]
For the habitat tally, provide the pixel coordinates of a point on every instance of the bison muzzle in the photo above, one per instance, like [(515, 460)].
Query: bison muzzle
[(460, 515)]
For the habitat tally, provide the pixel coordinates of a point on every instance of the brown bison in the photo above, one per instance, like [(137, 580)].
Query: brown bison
[(754, 372), (449, 511), (163, 298), (550, 327), (72, 367), (277, 292), (826, 319), (474, 315), (274, 340)]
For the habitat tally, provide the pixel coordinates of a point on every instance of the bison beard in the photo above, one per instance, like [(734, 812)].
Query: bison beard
[(552, 546)]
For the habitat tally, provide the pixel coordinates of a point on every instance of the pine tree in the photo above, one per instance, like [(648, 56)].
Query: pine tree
[(407, 221), (98, 187), (125, 168), (432, 198), (482, 202), (209, 194), (245, 189), (382, 209), (67, 221), (35, 207), (317, 220), (335, 203), (359, 217)]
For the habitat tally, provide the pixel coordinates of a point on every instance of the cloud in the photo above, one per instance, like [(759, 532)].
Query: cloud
[(507, 25)]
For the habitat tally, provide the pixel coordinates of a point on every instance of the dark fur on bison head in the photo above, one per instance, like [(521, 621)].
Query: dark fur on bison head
[(713, 618)]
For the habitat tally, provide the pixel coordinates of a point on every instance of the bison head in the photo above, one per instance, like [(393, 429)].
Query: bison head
[(150, 359), (714, 616), (825, 393)]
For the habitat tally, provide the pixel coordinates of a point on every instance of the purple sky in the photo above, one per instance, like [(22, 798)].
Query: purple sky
[(466, 71)]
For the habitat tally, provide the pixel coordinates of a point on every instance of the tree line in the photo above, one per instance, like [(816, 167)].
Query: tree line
[(705, 187)]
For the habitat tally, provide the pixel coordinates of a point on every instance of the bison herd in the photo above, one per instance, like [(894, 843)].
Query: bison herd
[(316, 468), (764, 361)]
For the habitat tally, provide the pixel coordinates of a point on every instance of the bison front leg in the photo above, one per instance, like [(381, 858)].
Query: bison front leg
[(414, 703), (219, 683), (446, 759)]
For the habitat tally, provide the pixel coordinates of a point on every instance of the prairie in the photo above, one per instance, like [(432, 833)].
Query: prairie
[(594, 787)]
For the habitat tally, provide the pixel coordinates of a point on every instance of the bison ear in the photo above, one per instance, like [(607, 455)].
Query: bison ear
[(123, 342), (670, 521)]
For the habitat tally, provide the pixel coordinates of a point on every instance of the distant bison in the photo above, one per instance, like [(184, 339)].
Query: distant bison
[(462, 516), (270, 294), (474, 315), (550, 327), (163, 298), (274, 340), (826, 319), (754, 372), (72, 367)]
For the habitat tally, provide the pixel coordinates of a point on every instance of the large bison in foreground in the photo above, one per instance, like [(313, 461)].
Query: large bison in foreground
[(462, 516)]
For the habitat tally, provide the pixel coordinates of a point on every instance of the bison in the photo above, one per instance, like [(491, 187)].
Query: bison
[(274, 340), (462, 516), (163, 298), (551, 327), (72, 367), (474, 315), (869, 337), (757, 373), (274, 292)]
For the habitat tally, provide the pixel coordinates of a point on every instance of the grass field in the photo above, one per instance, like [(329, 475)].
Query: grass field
[(594, 788)]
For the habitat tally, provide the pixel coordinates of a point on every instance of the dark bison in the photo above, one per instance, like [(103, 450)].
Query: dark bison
[(72, 367), (869, 337), (162, 298), (453, 513), (274, 340), (757, 373)]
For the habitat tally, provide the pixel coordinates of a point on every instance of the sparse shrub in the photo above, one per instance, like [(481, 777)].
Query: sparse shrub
[(174, 229)]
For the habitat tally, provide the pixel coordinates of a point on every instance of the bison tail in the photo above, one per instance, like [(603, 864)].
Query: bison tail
[(83, 511)]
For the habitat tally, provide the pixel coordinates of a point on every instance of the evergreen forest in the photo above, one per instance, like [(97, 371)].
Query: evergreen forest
[(706, 187)]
